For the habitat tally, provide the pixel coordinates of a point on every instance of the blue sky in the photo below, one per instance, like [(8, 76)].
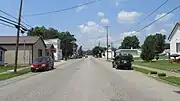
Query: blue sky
[(86, 22)]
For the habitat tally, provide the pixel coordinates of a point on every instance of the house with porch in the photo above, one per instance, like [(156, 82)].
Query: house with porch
[(30, 48), (174, 39)]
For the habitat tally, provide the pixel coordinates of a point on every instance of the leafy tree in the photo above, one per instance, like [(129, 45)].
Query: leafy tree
[(130, 42), (68, 40), (159, 42), (80, 51), (148, 48), (97, 51)]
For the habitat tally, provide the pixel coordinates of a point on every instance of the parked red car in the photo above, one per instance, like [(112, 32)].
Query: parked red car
[(42, 63)]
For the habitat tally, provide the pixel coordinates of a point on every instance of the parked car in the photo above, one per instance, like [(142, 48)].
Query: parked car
[(42, 63), (122, 62), (86, 56)]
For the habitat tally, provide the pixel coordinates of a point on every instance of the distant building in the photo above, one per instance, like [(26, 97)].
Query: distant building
[(50, 50), (30, 47), (2, 55), (57, 45), (174, 39), (133, 52), (110, 54)]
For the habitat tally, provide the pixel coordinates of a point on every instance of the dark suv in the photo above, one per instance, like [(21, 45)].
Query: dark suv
[(123, 61)]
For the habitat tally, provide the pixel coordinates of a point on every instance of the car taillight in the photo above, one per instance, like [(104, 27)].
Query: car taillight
[(43, 65)]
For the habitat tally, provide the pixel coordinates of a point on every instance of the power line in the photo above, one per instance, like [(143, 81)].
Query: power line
[(69, 8), (158, 19), (14, 18), (7, 25), (12, 21), (151, 13)]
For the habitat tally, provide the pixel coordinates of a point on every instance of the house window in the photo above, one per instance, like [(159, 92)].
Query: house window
[(1, 56), (178, 47), (39, 52)]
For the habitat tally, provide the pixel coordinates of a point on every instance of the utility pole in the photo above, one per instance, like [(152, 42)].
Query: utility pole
[(18, 31), (111, 49), (99, 44), (107, 27)]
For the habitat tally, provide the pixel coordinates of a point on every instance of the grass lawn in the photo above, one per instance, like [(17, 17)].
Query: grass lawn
[(160, 57), (145, 71), (161, 64), (172, 79), (3, 68), (169, 79), (12, 74)]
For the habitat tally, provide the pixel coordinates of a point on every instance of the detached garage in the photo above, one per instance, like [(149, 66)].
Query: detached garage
[(30, 47)]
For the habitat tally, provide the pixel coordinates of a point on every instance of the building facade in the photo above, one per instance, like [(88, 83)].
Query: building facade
[(174, 39), (2, 55), (57, 45), (30, 48)]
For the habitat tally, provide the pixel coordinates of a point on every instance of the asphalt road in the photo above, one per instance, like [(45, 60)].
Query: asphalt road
[(88, 80)]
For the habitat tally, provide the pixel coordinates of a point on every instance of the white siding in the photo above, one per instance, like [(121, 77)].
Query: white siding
[(175, 39), (56, 43), (2, 62)]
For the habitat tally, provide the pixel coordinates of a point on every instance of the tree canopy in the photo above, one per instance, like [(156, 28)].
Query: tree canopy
[(159, 42), (68, 40), (148, 48), (130, 42)]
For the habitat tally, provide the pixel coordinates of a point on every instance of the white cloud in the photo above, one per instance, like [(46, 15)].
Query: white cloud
[(166, 18), (117, 3), (92, 29), (100, 14), (104, 21), (80, 8), (128, 17)]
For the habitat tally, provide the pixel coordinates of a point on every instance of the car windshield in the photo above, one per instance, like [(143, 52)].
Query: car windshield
[(43, 59)]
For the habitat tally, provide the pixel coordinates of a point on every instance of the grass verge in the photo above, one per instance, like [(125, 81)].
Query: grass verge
[(4, 69), (145, 71), (169, 79), (161, 64), (12, 74)]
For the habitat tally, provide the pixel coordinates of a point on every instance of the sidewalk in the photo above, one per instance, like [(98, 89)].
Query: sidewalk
[(9, 71), (159, 71)]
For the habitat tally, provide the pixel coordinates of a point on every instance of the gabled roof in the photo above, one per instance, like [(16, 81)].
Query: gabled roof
[(48, 46), (172, 32), (6, 40), (3, 48)]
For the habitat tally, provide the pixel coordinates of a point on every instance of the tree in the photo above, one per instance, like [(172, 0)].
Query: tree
[(97, 51), (148, 48), (67, 39), (159, 42), (80, 51), (130, 42)]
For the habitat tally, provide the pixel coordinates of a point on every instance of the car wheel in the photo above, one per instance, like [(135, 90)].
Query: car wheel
[(32, 70)]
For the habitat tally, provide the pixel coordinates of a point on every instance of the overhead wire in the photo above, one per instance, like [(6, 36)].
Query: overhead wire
[(14, 18), (158, 19), (139, 30), (56, 11), (7, 25), (12, 21), (150, 14)]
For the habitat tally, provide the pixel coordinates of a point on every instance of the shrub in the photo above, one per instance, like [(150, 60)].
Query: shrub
[(161, 74), (153, 72)]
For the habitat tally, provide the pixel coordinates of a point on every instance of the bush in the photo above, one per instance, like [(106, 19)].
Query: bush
[(161, 74), (153, 72)]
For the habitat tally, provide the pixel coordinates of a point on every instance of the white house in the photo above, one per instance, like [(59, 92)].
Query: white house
[(2, 56), (174, 39), (110, 54), (133, 52), (57, 45)]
